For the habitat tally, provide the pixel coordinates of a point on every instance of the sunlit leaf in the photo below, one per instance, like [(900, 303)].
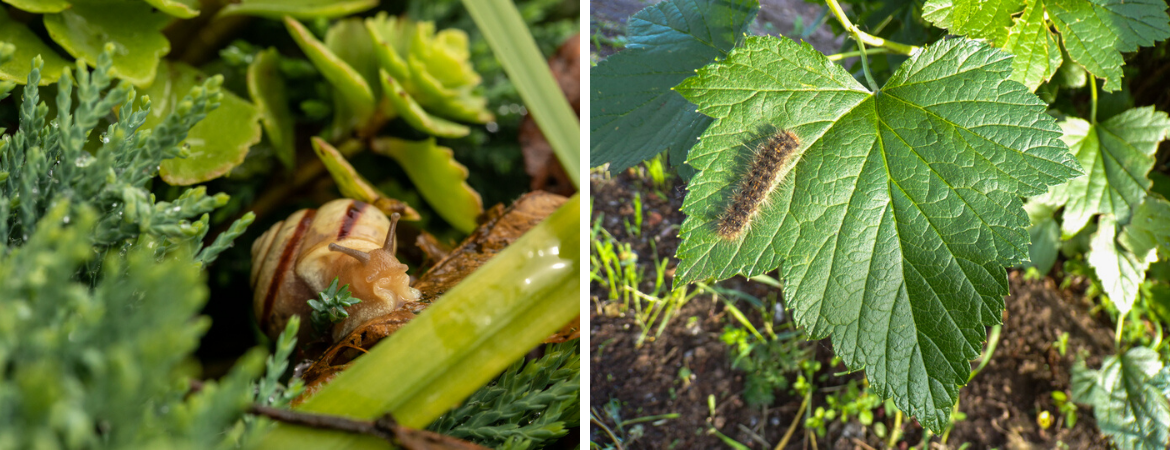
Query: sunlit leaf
[(134, 27), (218, 142), (1095, 33), (1116, 155), (1036, 48), (1120, 270), (441, 180), (896, 215)]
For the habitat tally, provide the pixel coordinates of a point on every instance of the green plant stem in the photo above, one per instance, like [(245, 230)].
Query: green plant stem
[(992, 343), (1157, 335), (871, 51), (1093, 93), (650, 419), (1117, 337), (617, 442), (866, 37), (896, 433), (513, 45), (795, 421), (873, 86)]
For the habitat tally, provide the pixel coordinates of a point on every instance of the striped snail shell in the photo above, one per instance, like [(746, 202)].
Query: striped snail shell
[(300, 256)]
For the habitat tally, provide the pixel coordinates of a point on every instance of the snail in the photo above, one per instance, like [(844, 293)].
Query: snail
[(299, 257)]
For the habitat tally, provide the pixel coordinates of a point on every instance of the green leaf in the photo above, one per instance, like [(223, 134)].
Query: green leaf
[(1120, 270), (40, 6), (391, 36), (635, 113), (353, 185), (298, 9), (348, 40), (183, 9), (433, 68), (399, 102), (1129, 409), (515, 48), (1036, 48), (218, 142), (134, 28), (938, 12), (28, 46), (440, 179), (982, 19), (899, 210), (266, 87), (490, 319), (1096, 32), (1044, 235), (1149, 229), (1116, 156), (354, 97)]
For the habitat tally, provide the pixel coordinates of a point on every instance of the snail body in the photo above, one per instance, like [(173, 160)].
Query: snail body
[(300, 256)]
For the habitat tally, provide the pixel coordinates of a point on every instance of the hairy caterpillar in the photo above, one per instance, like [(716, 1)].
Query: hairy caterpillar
[(771, 157)]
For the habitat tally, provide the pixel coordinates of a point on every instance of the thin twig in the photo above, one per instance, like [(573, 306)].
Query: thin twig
[(753, 435), (385, 428), (322, 421), (862, 444), (613, 438)]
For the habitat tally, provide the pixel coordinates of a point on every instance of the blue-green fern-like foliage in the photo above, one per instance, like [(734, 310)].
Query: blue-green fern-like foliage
[(100, 285)]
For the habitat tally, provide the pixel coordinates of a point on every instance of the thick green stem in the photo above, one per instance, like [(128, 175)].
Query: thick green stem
[(868, 51), (873, 86), (1157, 335), (866, 37), (992, 343), (1093, 92), (1120, 326), (896, 433)]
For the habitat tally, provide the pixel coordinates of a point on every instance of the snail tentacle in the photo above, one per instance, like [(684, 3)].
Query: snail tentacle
[(357, 254), (391, 243)]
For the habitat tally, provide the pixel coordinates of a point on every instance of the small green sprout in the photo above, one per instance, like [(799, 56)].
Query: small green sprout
[(331, 308)]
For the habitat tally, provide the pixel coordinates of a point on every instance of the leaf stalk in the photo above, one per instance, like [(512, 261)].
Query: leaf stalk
[(1093, 93), (871, 51), (867, 38)]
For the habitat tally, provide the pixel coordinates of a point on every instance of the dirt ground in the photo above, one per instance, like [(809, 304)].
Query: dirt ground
[(1001, 403)]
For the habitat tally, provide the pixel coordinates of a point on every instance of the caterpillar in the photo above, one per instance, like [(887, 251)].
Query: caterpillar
[(771, 156)]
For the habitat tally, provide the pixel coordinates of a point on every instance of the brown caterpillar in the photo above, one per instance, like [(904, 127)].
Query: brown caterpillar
[(771, 157)]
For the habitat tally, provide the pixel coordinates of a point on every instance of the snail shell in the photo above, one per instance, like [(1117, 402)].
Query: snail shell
[(299, 257)]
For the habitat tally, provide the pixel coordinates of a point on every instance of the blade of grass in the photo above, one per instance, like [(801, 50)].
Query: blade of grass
[(490, 319), (513, 45)]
